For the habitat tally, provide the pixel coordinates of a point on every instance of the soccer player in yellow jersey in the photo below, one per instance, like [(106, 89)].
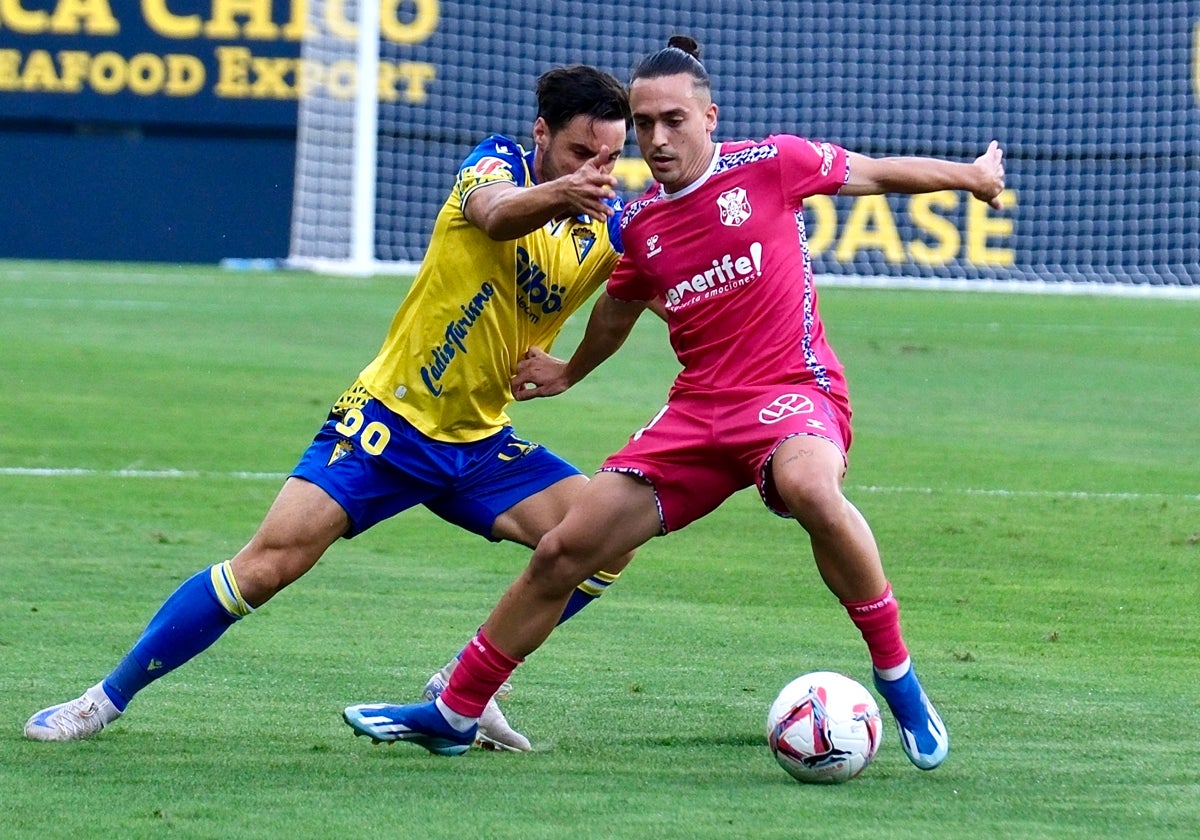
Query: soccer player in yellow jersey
[(523, 240)]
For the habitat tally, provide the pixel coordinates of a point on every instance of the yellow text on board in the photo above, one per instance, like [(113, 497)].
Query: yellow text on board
[(239, 73), (250, 20)]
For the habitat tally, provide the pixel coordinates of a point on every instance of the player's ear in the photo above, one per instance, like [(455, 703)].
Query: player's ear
[(541, 133)]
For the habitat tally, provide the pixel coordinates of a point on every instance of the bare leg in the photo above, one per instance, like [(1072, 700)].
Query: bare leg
[(532, 518), (808, 473), (300, 526), (615, 514)]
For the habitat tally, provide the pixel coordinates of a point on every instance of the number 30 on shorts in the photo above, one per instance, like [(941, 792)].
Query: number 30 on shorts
[(373, 436)]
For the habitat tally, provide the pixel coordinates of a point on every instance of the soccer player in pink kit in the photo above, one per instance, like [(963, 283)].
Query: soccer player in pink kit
[(719, 242)]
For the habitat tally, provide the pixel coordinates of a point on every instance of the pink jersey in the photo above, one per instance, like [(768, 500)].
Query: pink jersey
[(729, 258)]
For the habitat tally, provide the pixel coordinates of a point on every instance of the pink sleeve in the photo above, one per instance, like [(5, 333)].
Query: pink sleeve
[(810, 168), (626, 285)]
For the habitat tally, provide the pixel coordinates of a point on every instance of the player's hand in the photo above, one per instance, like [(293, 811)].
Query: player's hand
[(588, 187), (991, 164), (539, 375)]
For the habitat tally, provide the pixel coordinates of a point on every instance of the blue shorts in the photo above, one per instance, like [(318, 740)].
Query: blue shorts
[(375, 465)]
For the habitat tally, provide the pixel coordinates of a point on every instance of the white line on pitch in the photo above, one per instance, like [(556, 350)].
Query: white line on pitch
[(1046, 494), (58, 472)]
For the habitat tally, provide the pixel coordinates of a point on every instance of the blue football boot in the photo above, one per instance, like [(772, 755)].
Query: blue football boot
[(922, 733), (419, 723)]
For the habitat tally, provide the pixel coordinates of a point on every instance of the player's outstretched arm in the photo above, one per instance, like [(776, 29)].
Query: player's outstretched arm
[(983, 178), (505, 211), (541, 375)]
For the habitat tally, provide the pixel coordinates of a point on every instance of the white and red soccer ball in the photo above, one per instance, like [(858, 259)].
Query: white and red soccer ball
[(824, 727)]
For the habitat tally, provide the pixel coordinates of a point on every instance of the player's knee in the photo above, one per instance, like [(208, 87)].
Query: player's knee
[(557, 567), (802, 490), (816, 504), (262, 570)]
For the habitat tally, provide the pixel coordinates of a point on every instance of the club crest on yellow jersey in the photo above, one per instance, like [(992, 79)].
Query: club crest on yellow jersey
[(584, 238)]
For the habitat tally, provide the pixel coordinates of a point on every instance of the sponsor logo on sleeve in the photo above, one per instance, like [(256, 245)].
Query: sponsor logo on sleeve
[(825, 150), (489, 166)]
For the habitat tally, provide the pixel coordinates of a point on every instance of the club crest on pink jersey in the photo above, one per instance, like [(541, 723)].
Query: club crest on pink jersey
[(735, 207)]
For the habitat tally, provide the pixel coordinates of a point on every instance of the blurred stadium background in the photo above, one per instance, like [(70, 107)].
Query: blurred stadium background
[(197, 130)]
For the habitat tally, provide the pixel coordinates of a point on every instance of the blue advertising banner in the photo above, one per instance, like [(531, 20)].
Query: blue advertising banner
[(214, 62), (1097, 106)]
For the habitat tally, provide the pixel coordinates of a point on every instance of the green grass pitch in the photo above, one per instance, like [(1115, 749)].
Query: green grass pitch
[(1030, 466)]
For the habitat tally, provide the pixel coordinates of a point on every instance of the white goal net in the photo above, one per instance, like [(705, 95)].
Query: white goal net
[(1096, 104)]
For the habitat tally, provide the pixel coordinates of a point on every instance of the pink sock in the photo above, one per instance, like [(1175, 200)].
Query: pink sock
[(879, 622), (482, 668)]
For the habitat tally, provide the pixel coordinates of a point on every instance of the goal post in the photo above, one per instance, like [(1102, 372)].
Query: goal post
[(334, 207), (366, 134)]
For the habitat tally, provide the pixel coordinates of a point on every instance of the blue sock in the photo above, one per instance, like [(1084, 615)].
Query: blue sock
[(586, 592), (197, 613)]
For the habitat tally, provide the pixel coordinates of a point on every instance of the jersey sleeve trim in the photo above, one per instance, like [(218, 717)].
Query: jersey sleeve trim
[(496, 160)]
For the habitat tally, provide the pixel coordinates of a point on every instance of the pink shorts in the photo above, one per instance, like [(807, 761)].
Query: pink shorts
[(702, 448)]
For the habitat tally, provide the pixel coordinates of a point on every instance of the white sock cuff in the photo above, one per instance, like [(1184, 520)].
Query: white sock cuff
[(893, 674), (227, 590), (460, 722)]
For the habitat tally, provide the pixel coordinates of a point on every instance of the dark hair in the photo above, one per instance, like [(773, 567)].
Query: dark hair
[(682, 55), (568, 92)]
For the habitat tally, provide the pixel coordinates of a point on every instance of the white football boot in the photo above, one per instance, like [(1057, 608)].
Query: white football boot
[(81, 718), (495, 733)]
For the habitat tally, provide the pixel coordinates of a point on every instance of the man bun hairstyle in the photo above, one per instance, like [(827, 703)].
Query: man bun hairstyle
[(564, 93), (681, 55), (685, 43)]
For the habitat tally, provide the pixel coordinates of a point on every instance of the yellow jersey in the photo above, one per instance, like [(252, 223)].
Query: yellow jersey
[(477, 305)]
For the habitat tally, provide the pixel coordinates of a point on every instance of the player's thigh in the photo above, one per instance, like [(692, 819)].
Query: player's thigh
[(528, 520), (614, 514), (299, 527), (303, 516), (806, 472)]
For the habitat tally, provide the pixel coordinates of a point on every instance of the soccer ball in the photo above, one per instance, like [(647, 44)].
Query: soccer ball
[(824, 728)]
